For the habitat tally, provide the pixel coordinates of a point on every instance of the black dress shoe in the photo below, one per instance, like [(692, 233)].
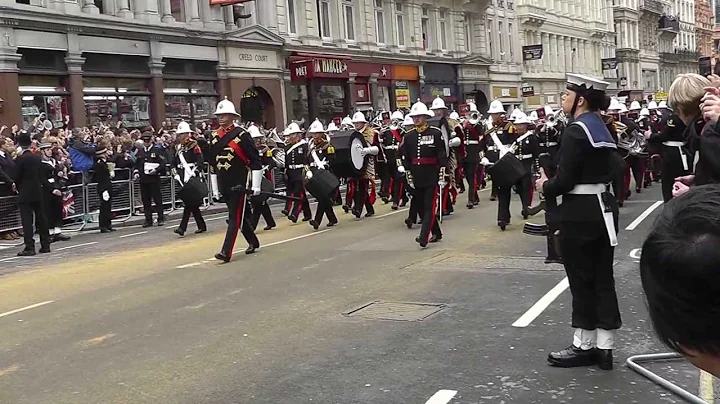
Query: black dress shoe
[(284, 212), (408, 223), (435, 238), (44, 250), (292, 218), (112, 229), (222, 257), (200, 231), (331, 224), (314, 224), (179, 232), (502, 225), (26, 253), (306, 219), (104, 231), (638, 190), (422, 243), (493, 197), (524, 214), (394, 206), (161, 223), (385, 199), (572, 357), (470, 206), (346, 208), (370, 214), (402, 204), (357, 213), (61, 237), (604, 358), (146, 225), (476, 202), (268, 227), (251, 249)]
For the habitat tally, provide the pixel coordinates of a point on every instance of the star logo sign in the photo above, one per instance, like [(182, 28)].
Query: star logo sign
[(383, 71)]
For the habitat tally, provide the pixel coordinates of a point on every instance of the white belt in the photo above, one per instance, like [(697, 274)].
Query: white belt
[(492, 148), (391, 147), (599, 189), (525, 156), (679, 145), (296, 166), (472, 142), (548, 144)]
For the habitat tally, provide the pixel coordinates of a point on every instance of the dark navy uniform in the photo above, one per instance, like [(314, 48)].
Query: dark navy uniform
[(588, 219), (527, 152), (506, 135), (193, 156), (324, 151), (263, 209), (390, 142), (423, 155), (386, 166), (150, 182), (32, 184), (103, 179), (296, 161), (492, 151), (549, 143), (233, 153), (474, 173), (54, 203), (676, 159)]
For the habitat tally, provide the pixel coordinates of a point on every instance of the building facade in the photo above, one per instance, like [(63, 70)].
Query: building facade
[(686, 41), (345, 55), (140, 62), (505, 51), (626, 14), (563, 37), (649, 30), (704, 27)]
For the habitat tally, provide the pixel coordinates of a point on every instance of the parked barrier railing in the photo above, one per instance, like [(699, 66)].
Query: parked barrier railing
[(81, 202)]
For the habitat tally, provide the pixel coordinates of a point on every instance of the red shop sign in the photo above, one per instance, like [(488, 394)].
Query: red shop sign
[(362, 93), (319, 68)]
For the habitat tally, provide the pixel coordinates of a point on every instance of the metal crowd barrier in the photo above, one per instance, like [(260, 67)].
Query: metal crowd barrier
[(82, 203), (633, 363)]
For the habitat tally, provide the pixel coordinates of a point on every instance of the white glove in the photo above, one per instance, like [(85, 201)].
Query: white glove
[(401, 169), (256, 182), (363, 152), (112, 174), (372, 150), (485, 161), (136, 177), (106, 196), (308, 175), (454, 142)]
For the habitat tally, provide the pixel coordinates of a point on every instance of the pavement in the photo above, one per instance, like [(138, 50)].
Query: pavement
[(357, 313)]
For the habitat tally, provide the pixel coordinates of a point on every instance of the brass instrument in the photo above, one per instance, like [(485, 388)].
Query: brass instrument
[(474, 117)]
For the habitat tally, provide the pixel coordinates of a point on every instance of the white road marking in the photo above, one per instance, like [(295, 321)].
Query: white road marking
[(541, 304), (9, 259), (76, 246), (643, 216), (134, 234), (706, 387), (442, 397), (635, 254), (392, 213), (192, 264), (7, 313)]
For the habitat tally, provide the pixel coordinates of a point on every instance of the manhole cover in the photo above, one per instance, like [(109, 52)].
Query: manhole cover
[(397, 311)]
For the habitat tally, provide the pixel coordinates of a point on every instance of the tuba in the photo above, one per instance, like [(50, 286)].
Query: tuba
[(474, 117)]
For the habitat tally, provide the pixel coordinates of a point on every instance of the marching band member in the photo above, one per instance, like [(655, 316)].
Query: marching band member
[(102, 175), (149, 166), (588, 224), (527, 152), (233, 154), (296, 160), (460, 152), (498, 125), (414, 214), (675, 157), (57, 178), (268, 163), (389, 141), (474, 172), (385, 166), (440, 109), (188, 160), (636, 164), (423, 155), (364, 194), (321, 155)]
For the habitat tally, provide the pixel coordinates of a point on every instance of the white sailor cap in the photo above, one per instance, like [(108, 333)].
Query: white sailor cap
[(579, 82)]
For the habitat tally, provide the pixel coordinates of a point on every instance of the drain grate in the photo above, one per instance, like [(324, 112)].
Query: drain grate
[(395, 311)]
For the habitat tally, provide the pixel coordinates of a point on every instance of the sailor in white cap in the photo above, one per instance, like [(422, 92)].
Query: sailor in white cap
[(296, 163), (188, 165), (588, 223), (236, 161), (501, 128), (261, 207)]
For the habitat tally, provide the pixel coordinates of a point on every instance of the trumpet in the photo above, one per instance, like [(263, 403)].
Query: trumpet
[(474, 117)]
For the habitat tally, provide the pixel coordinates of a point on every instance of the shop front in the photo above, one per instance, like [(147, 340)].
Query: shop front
[(372, 85), (406, 86), (190, 91), (441, 81), (321, 88), (475, 85), (43, 88)]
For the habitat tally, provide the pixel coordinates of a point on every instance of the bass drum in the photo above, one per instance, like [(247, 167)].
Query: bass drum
[(323, 185), (507, 171), (348, 162)]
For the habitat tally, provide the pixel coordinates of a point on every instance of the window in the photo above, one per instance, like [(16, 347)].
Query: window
[(511, 46), (501, 43), (349, 20), (379, 22), (292, 18), (443, 29), (399, 24), (491, 50), (177, 10), (424, 27), (323, 7), (109, 100), (467, 24), (190, 101)]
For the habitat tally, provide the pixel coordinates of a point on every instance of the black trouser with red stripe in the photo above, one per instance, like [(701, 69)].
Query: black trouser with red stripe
[(471, 170), (261, 209), (297, 189), (399, 188), (238, 204), (427, 197)]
